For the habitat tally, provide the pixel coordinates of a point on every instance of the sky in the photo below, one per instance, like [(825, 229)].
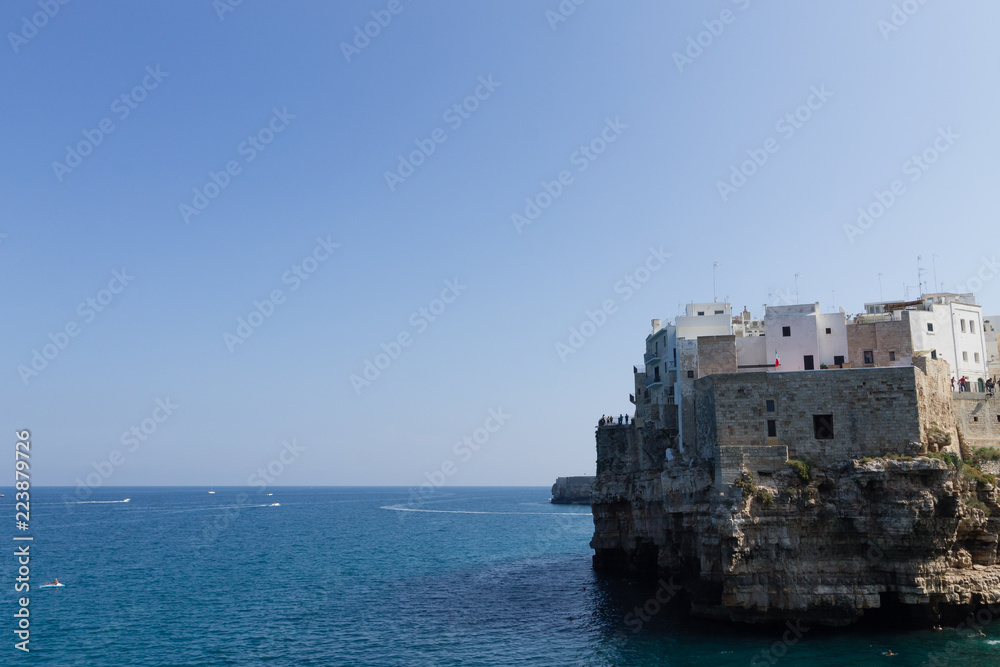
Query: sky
[(412, 241)]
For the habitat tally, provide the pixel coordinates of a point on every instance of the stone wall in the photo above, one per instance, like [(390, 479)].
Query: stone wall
[(978, 418), (716, 354), (731, 461), (881, 338), (874, 411), (937, 407)]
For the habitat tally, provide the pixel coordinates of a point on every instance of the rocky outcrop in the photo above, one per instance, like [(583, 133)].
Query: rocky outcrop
[(894, 537), (572, 490)]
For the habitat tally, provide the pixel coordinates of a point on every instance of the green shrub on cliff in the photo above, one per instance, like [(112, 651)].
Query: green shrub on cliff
[(986, 454), (978, 504), (746, 484), (764, 496), (802, 468), (954, 460), (971, 472)]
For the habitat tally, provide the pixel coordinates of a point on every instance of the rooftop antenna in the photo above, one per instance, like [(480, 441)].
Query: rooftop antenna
[(880, 297), (937, 287), (715, 299), (797, 276), (833, 299), (920, 273)]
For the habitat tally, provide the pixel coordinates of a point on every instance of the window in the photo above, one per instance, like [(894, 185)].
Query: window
[(869, 357), (892, 356), (998, 418), (977, 357), (933, 354), (772, 428), (823, 427), (962, 322), (690, 374), (786, 331), (965, 356), (930, 327), (770, 405), (720, 312), (975, 419), (701, 312), (829, 331), (972, 326), (838, 360)]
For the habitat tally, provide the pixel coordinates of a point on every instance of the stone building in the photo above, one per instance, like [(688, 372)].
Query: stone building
[(943, 326), (759, 420)]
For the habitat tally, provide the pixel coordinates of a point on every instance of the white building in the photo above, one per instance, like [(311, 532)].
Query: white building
[(944, 325), (991, 330)]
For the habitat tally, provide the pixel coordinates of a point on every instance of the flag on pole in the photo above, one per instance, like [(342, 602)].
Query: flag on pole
[(777, 361)]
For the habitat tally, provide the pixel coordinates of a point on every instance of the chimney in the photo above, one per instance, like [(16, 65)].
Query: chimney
[(656, 326)]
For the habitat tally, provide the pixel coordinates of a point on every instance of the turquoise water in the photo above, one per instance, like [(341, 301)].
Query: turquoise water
[(341, 576)]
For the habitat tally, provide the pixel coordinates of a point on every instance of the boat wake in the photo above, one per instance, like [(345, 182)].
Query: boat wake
[(401, 508), (98, 502)]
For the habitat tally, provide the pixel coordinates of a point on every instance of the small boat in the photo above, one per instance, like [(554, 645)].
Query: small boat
[(126, 500), (57, 584), (275, 505), (212, 490)]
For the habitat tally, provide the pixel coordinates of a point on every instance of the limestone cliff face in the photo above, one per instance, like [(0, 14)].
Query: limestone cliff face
[(572, 490), (907, 538)]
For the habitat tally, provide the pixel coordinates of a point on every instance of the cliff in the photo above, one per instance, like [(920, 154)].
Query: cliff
[(572, 490), (893, 536)]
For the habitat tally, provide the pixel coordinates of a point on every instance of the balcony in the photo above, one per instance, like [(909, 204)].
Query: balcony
[(651, 358), (653, 381)]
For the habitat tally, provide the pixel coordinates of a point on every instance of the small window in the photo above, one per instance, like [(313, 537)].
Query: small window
[(701, 312), (770, 405), (786, 331), (933, 354), (972, 326), (962, 322), (838, 360), (998, 418), (823, 427), (720, 312), (772, 428), (965, 356), (892, 356), (829, 331), (869, 357), (930, 326), (975, 419), (690, 374), (977, 357)]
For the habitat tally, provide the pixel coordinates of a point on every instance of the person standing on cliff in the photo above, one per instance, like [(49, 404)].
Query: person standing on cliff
[(953, 384)]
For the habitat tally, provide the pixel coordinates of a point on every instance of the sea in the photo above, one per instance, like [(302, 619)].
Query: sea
[(375, 576)]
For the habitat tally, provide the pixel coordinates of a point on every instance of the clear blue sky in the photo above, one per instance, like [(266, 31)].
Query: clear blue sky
[(677, 132)]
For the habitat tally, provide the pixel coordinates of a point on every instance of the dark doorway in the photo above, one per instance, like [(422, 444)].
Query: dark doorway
[(808, 361)]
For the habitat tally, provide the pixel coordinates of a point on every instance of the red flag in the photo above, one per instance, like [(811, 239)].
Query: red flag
[(777, 361)]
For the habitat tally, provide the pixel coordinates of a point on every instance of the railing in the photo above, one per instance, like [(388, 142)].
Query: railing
[(651, 357)]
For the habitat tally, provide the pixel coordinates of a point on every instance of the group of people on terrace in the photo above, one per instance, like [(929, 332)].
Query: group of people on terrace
[(608, 420), (964, 385)]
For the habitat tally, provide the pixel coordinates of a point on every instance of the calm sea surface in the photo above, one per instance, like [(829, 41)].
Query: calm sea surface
[(347, 576)]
